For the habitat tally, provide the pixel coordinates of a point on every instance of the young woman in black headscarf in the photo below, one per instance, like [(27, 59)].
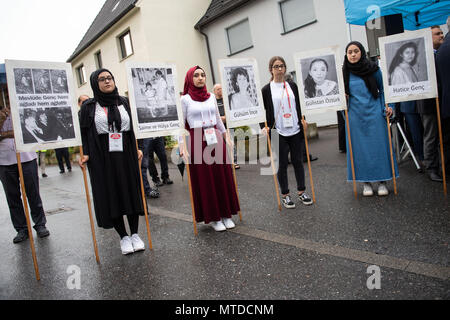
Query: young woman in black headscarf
[(366, 113), (109, 147)]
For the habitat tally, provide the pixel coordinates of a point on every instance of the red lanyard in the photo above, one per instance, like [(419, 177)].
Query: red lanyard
[(281, 100)]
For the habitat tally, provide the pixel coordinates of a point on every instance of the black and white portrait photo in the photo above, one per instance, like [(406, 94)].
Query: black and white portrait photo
[(320, 78), (241, 92), (41, 125), (241, 88), (153, 93), (23, 81), (43, 104), (320, 82), (41, 80), (59, 81), (407, 65), (406, 61)]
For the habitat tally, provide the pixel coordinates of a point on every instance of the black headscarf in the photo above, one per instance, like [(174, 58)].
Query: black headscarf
[(364, 68), (107, 100)]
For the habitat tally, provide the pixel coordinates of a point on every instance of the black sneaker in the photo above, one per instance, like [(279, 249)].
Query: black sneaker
[(42, 231), (167, 181), (158, 183), (21, 236), (153, 194), (305, 199), (287, 202), (44, 175)]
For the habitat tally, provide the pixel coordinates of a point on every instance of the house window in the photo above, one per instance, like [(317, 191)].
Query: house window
[(81, 74), (239, 37), (126, 46), (296, 14), (98, 60)]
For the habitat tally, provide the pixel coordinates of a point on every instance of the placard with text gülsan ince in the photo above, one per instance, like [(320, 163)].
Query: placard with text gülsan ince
[(154, 99), (407, 64), (241, 90), (43, 104), (320, 81)]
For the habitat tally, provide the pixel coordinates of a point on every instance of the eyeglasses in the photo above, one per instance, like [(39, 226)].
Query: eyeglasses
[(278, 66), (102, 79)]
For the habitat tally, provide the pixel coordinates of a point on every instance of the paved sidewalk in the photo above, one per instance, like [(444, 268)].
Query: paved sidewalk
[(317, 252)]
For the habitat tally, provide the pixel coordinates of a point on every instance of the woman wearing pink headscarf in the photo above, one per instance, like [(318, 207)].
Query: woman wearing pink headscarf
[(213, 189)]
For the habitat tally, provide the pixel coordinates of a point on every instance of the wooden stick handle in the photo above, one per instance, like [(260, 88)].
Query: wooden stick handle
[(234, 175), (392, 154), (309, 164), (273, 167), (88, 199), (444, 181), (351, 153), (190, 190), (144, 203), (27, 216)]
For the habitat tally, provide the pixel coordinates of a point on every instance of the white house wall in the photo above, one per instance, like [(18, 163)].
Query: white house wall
[(266, 28), (161, 31)]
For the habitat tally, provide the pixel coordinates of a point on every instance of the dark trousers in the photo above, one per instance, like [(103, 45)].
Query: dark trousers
[(430, 142), (9, 175), (294, 145), (341, 131), (63, 154), (446, 143), (158, 146), (144, 166), (415, 128)]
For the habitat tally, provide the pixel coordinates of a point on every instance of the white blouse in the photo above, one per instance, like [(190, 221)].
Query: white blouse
[(280, 105), (101, 119), (202, 114)]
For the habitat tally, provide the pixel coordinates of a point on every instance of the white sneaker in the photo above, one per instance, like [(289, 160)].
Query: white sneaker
[(367, 191), (218, 226), (382, 190), (228, 222), (138, 244), (126, 245)]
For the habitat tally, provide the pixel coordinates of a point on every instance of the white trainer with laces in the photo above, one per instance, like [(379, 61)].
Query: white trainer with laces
[(218, 225), (138, 244), (367, 190), (126, 245), (382, 190), (228, 222)]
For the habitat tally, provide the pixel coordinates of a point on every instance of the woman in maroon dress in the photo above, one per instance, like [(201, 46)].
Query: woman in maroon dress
[(213, 189)]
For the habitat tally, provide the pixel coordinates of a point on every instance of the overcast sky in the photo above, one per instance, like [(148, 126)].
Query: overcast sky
[(44, 30)]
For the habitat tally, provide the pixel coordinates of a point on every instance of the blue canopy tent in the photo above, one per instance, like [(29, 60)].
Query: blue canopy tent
[(417, 14)]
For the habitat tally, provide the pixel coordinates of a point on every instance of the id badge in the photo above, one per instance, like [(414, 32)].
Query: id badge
[(210, 136), (115, 142), (288, 120)]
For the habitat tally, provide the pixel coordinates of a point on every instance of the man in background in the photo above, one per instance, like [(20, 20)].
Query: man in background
[(9, 176)]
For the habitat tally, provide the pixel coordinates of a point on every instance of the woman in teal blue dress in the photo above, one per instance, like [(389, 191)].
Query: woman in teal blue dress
[(368, 128)]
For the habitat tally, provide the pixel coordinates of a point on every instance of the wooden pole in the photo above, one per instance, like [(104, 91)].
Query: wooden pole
[(144, 203), (186, 160), (392, 154), (27, 216), (309, 164), (442, 146), (88, 199), (273, 166), (234, 174), (351, 153)]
